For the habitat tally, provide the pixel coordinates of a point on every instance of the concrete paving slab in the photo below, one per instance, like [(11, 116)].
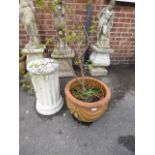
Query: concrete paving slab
[(61, 134)]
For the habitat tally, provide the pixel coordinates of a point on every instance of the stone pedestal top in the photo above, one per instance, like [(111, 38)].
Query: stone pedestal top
[(102, 50), (61, 56), (99, 59), (38, 50), (63, 53), (42, 66)]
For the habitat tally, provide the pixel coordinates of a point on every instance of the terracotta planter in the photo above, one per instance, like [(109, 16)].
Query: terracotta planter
[(85, 111), (22, 64)]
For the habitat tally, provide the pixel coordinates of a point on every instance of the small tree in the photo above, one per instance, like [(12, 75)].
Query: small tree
[(77, 37)]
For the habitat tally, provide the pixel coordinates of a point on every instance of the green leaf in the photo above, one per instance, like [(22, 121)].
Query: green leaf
[(48, 41), (40, 3), (89, 2)]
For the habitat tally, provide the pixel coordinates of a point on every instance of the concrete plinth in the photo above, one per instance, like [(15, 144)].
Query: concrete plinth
[(64, 68), (64, 58), (45, 80), (98, 71), (33, 53), (100, 59)]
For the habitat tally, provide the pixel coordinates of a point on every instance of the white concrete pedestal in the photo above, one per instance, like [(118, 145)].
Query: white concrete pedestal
[(100, 59), (98, 71), (64, 58), (45, 80)]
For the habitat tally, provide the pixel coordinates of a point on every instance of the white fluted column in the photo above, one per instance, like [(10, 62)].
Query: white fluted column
[(45, 79)]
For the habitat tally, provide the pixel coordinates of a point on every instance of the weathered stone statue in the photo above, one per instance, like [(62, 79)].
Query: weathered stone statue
[(33, 50), (27, 16), (62, 52), (100, 56), (60, 23), (104, 26)]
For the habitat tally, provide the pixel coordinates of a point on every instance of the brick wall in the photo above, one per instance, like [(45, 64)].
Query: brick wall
[(122, 36)]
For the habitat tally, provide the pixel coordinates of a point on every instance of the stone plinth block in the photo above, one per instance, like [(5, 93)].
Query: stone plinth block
[(45, 80), (33, 53), (98, 71), (99, 59), (102, 50), (65, 69), (64, 58)]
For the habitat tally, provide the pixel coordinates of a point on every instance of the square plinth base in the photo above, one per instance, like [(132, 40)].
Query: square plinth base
[(64, 67), (33, 54), (98, 71)]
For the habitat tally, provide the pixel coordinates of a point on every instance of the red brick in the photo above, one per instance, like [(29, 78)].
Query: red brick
[(124, 20), (119, 14), (122, 36), (118, 24)]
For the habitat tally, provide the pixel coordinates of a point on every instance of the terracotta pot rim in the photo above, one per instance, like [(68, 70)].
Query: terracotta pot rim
[(98, 103)]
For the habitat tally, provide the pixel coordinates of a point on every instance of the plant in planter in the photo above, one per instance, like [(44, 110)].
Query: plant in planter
[(87, 98)]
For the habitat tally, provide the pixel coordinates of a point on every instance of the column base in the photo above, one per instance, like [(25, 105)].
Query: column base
[(65, 74), (51, 109), (98, 71)]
